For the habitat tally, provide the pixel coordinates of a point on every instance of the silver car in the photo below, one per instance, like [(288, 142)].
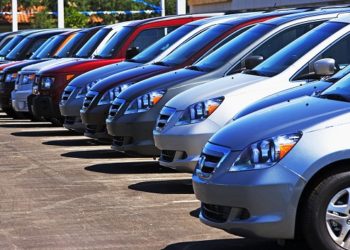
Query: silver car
[(193, 116), (282, 172)]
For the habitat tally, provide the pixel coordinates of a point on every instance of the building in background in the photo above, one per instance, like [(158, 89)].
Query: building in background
[(200, 6)]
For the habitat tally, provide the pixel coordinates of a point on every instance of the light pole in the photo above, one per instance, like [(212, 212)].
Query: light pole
[(14, 16), (181, 7), (60, 13), (162, 6)]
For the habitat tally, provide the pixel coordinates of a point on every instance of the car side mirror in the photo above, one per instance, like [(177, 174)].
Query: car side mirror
[(252, 61), (131, 52), (324, 67)]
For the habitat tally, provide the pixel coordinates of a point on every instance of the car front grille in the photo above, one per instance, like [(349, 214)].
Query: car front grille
[(215, 213), (210, 159), (90, 96), (115, 107), (164, 117), (68, 91)]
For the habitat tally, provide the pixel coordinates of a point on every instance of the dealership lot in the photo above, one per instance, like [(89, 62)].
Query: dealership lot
[(60, 190)]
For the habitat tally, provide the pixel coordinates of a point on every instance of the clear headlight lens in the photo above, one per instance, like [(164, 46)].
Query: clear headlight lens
[(11, 77), (47, 82), (145, 102), (111, 94), (265, 153), (200, 111)]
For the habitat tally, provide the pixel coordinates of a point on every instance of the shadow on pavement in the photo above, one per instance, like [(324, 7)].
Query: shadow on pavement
[(195, 213), (164, 187), (27, 125), (129, 168), (73, 143), (233, 244), (95, 154), (44, 133)]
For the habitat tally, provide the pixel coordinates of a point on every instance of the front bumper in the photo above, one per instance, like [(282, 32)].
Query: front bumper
[(258, 203), (43, 106), (181, 146), (132, 135), (5, 95), (94, 121), (20, 100), (70, 110)]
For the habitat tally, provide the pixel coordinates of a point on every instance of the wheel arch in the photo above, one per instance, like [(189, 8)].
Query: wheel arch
[(338, 166)]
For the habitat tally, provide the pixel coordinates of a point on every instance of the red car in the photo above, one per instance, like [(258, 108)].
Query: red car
[(131, 38)]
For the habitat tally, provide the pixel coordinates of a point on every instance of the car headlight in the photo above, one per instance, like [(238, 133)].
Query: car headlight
[(199, 111), (111, 94), (84, 90), (145, 102), (11, 77), (47, 82), (265, 153)]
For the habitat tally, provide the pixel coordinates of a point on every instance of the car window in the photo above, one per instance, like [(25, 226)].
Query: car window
[(92, 43), (287, 56), (188, 49), (163, 44), (147, 37), (277, 42), (335, 51), (34, 47)]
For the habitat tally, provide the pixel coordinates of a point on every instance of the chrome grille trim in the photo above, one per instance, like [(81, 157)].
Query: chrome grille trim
[(68, 91), (89, 98), (211, 159), (115, 107), (164, 116)]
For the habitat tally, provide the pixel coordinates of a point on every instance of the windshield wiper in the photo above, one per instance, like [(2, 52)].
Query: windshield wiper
[(254, 72), (335, 97), (194, 67), (161, 63)]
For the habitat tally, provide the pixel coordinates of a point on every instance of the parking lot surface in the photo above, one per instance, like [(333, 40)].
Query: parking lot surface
[(60, 190)]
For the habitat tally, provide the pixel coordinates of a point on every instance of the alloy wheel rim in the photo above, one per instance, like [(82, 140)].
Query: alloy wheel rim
[(338, 218)]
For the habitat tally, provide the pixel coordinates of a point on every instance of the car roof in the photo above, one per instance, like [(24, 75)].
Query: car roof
[(296, 16), (45, 33)]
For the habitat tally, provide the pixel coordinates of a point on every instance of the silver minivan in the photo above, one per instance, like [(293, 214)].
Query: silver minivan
[(282, 172)]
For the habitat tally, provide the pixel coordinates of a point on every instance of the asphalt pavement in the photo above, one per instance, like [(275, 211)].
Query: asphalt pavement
[(60, 190)]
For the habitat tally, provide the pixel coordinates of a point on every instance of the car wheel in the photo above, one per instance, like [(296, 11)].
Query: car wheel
[(326, 223)]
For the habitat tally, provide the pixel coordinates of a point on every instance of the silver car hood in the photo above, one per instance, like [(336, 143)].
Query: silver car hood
[(304, 114), (49, 63), (212, 89)]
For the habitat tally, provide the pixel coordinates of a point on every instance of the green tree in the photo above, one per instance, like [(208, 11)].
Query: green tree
[(74, 19)]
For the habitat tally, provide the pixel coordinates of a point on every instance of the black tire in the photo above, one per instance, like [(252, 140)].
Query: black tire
[(314, 228)]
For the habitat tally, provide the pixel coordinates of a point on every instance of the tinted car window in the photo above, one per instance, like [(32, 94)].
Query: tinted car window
[(294, 51), (48, 48), (191, 47), (222, 55), (10, 45), (25, 48), (157, 48), (147, 37), (89, 48), (112, 47), (67, 49)]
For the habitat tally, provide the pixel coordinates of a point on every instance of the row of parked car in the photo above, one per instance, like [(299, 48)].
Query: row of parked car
[(255, 105)]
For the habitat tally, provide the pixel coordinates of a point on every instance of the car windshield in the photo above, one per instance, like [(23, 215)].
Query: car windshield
[(48, 48), (91, 45), (10, 45), (25, 47), (163, 44), (221, 56), (187, 50), (112, 47), (339, 75), (67, 49), (294, 51), (340, 91)]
